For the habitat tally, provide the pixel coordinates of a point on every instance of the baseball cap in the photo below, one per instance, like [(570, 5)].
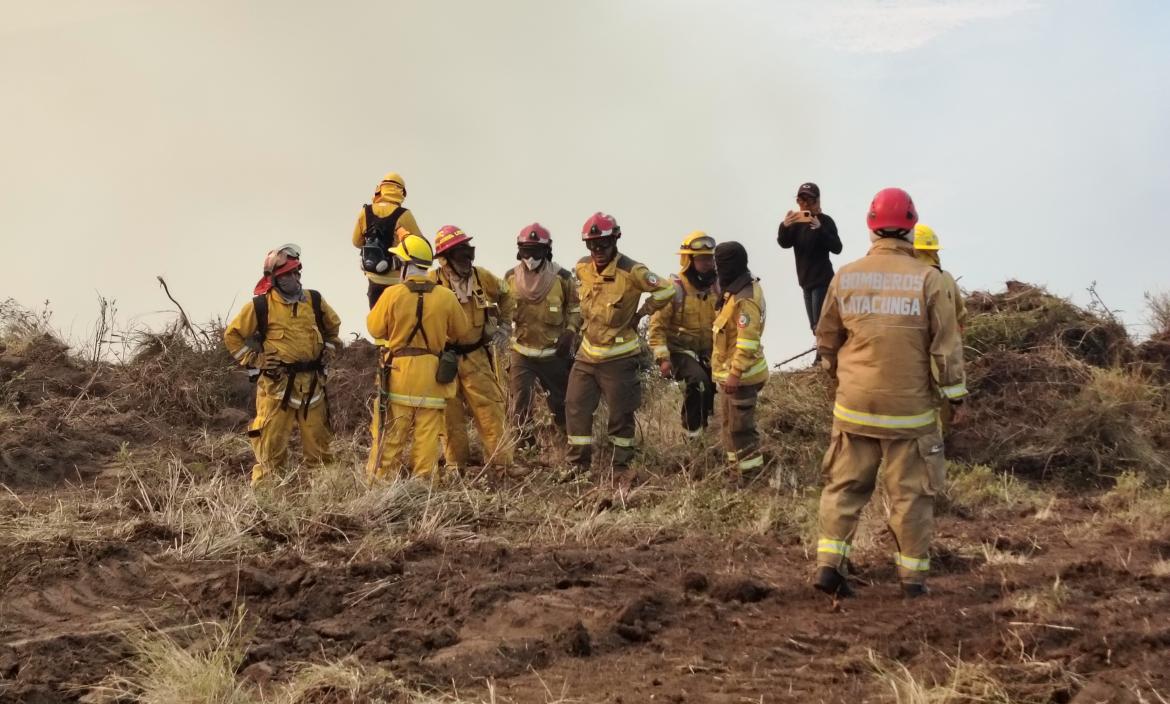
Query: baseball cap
[(809, 189)]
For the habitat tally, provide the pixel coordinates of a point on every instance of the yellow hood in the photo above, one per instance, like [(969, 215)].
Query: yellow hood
[(392, 189)]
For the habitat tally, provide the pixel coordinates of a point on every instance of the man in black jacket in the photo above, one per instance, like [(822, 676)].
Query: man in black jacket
[(814, 237)]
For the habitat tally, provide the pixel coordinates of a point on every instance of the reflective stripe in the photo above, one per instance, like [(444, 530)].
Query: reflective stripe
[(757, 368), (956, 391), (330, 345), (575, 309), (533, 351), (752, 463), (295, 402), (692, 434), (661, 351), (240, 353), (418, 401), (741, 344), (880, 421), (730, 456), (917, 564), (689, 353), (580, 439), (381, 343), (834, 547), (664, 293), (621, 442), (613, 351)]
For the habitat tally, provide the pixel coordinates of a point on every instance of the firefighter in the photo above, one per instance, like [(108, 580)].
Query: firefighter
[(488, 305), (547, 317), (416, 320), (737, 362), (285, 336), (680, 334), (926, 248), (606, 366), (887, 319), (380, 226)]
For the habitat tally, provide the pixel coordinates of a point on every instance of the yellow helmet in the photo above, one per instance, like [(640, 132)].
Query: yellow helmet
[(697, 242), (395, 177), (925, 238), (414, 250)]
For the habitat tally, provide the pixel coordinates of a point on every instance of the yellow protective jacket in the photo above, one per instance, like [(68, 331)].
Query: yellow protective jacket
[(292, 336), (685, 325), (415, 354), (388, 198), (738, 330), (488, 302), (889, 317), (537, 325), (609, 302)]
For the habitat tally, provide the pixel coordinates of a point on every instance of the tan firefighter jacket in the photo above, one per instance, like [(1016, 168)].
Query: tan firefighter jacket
[(887, 318), (738, 328), (486, 301), (609, 302), (684, 327), (537, 325)]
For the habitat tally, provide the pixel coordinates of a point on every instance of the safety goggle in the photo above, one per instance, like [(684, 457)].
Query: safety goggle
[(600, 244), (701, 244)]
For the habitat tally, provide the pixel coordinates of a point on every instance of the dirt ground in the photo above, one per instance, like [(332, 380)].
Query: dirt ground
[(677, 618)]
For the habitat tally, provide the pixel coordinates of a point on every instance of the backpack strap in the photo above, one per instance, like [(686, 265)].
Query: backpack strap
[(421, 288), (260, 305), (318, 311), (383, 227)]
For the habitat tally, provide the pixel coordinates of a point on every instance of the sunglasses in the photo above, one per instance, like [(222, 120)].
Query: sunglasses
[(701, 244)]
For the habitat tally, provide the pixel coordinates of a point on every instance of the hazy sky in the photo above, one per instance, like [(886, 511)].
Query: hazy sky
[(186, 139)]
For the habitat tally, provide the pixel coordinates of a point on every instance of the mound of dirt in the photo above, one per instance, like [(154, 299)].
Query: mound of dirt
[(1026, 318), (1046, 414)]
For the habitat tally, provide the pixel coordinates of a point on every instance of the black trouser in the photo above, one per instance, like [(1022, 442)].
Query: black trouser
[(698, 390), (374, 292), (814, 300)]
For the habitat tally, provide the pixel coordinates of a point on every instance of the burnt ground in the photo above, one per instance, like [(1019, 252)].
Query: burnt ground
[(680, 618)]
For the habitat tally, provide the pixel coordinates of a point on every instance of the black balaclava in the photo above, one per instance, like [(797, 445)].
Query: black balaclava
[(700, 281), (731, 265)]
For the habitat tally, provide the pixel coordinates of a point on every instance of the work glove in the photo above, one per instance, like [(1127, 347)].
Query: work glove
[(500, 336), (731, 385), (666, 369), (565, 344), (329, 354)]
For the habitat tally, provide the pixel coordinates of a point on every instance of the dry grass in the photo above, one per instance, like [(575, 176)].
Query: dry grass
[(964, 682), (978, 490), (1136, 502)]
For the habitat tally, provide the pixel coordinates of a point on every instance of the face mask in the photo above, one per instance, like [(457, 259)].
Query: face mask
[(289, 285), (532, 263)]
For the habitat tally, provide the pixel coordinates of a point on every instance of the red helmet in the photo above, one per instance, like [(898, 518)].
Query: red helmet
[(449, 237), (277, 262), (534, 234), (600, 225), (892, 209)]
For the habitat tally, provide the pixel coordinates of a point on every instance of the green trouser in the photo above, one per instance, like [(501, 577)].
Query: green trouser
[(913, 470)]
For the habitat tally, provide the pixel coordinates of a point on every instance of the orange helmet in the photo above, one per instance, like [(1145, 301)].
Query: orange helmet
[(891, 209), (600, 225), (534, 234)]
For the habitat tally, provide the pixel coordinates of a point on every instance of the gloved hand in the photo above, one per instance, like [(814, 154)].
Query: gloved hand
[(637, 319), (666, 369), (266, 361), (329, 354), (500, 336), (565, 344), (731, 385)]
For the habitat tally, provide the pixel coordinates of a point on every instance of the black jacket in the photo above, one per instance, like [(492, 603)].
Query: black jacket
[(813, 268)]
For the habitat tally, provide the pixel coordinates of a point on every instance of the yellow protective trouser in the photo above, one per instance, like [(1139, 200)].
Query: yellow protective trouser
[(478, 387), (913, 471), (271, 429), (427, 424)]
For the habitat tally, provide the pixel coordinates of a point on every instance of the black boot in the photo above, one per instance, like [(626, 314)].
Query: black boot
[(830, 581), (913, 591)]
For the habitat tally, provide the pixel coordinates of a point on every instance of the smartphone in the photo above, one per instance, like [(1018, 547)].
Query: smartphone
[(803, 216)]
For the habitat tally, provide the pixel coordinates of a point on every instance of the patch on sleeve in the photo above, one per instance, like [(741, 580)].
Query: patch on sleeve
[(744, 320), (652, 278)]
